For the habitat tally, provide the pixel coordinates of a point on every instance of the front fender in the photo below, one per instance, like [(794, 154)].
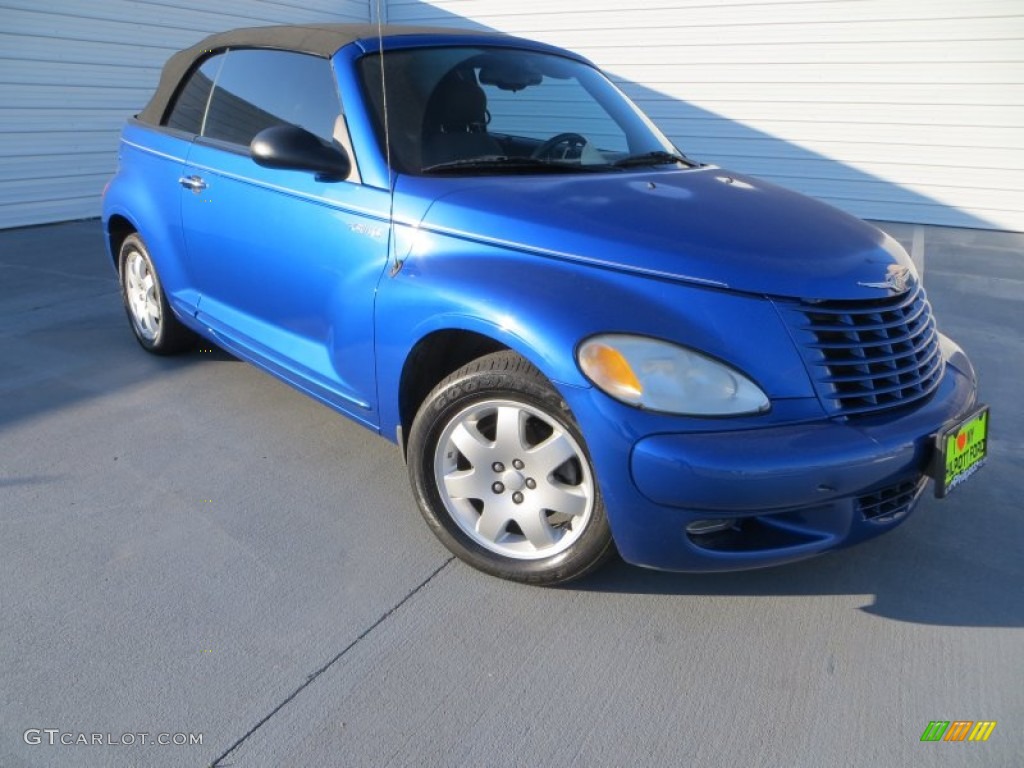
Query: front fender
[(543, 307)]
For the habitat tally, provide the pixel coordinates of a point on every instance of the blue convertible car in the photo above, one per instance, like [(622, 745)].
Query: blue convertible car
[(582, 340)]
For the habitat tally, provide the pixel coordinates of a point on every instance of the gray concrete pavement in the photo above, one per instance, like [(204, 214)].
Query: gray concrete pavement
[(189, 546)]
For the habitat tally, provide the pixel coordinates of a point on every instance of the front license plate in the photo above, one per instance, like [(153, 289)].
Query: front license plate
[(961, 451)]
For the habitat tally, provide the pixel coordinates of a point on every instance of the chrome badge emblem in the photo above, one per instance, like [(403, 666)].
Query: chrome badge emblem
[(897, 279)]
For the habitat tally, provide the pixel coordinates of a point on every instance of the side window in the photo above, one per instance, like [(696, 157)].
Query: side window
[(187, 114), (258, 89)]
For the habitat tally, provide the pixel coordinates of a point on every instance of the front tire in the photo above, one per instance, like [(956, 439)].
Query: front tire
[(152, 320), (502, 475)]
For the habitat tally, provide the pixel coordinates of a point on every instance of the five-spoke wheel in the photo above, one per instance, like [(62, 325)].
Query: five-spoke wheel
[(140, 292), (502, 475), (152, 320), (514, 479)]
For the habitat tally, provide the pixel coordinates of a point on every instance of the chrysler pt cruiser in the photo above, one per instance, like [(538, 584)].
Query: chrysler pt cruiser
[(581, 339)]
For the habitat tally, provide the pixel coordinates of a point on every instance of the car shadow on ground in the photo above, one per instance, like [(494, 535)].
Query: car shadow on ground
[(208, 352), (930, 571), (65, 339)]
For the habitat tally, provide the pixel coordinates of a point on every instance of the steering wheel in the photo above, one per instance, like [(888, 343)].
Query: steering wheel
[(570, 140)]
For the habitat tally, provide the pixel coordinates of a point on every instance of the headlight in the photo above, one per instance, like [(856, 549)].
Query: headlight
[(660, 376)]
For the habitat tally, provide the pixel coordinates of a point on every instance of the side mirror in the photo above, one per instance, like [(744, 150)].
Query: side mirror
[(296, 149)]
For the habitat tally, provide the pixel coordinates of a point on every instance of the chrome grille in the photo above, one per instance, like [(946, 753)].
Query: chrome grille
[(869, 356)]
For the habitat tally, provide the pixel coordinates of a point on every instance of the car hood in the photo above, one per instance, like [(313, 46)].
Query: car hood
[(707, 226)]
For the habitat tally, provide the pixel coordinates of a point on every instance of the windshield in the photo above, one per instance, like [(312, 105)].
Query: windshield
[(500, 110)]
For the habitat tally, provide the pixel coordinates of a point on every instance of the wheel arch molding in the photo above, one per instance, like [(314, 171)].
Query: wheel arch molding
[(442, 347)]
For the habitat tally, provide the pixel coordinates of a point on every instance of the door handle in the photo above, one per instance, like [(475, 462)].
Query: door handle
[(195, 183)]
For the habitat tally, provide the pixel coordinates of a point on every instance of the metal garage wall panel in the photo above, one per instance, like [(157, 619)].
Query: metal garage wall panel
[(891, 109), (903, 110), (71, 71)]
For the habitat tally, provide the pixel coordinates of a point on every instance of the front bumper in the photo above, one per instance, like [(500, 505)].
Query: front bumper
[(789, 491)]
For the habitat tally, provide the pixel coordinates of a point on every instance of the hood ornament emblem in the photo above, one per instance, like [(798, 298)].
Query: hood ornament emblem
[(898, 279)]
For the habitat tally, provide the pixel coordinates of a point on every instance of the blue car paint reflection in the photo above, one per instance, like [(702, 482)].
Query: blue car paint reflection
[(336, 286)]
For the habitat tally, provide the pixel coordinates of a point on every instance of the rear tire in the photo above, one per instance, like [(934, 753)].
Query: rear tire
[(502, 476), (151, 318)]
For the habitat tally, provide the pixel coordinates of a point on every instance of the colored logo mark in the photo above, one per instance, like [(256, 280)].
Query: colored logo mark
[(966, 448), (958, 730)]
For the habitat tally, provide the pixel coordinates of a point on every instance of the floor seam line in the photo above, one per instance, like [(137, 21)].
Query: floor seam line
[(314, 675)]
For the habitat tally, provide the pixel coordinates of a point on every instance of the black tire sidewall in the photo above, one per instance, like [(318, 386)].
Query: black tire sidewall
[(500, 376)]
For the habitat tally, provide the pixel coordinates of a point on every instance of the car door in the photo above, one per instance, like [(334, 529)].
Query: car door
[(286, 264)]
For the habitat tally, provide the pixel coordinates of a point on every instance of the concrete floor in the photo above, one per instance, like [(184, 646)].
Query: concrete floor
[(189, 546)]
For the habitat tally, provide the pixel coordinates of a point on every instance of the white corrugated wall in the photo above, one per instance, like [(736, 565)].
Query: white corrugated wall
[(892, 109), (899, 110), (72, 70)]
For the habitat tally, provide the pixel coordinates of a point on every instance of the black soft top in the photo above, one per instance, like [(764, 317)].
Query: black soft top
[(317, 39)]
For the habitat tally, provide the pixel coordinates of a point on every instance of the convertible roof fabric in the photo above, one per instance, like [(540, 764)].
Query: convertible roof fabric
[(317, 39)]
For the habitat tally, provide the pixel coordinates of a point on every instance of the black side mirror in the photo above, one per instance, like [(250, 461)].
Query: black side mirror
[(296, 149)]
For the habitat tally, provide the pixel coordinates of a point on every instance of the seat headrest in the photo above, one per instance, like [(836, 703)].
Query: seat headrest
[(457, 105)]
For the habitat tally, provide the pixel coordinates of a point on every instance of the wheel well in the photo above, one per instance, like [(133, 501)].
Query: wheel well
[(118, 228), (434, 357)]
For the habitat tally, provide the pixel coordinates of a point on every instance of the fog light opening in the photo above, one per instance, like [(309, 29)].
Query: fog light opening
[(704, 527)]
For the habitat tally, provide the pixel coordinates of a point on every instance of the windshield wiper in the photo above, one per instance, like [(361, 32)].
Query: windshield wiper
[(503, 162), (658, 157)]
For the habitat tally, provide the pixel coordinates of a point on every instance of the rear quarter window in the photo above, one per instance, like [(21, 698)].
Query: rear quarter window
[(190, 106), (235, 95)]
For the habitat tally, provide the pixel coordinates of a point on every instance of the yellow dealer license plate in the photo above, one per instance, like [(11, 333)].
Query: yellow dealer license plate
[(961, 451)]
